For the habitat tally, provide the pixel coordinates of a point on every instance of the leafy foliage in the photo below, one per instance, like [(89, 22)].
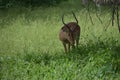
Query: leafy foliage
[(10, 3)]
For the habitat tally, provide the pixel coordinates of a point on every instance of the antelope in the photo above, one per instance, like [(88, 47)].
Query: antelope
[(70, 34)]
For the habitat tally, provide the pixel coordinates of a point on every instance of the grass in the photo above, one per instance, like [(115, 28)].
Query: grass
[(30, 48)]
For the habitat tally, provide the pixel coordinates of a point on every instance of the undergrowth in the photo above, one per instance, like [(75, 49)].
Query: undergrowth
[(30, 48)]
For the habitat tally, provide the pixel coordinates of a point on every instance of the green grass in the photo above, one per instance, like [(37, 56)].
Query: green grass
[(30, 48)]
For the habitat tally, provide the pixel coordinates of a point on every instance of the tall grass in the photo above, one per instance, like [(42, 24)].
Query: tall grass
[(30, 48)]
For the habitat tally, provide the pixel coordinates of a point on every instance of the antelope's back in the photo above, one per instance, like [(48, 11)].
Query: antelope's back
[(74, 27)]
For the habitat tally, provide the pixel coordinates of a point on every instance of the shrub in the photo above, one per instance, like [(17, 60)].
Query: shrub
[(12, 3)]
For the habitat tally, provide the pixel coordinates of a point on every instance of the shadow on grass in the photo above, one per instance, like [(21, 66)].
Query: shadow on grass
[(109, 52)]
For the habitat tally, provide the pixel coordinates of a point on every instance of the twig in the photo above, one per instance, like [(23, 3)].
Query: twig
[(113, 13), (118, 18), (88, 10), (99, 18), (108, 24)]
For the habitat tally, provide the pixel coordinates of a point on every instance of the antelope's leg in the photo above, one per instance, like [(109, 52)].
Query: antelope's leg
[(64, 44), (73, 47), (68, 47), (77, 42)]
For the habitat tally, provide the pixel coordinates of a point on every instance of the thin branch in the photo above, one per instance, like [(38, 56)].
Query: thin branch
[(108, 24), (118, 18), (99, 18), (113, 13), (88, 10)]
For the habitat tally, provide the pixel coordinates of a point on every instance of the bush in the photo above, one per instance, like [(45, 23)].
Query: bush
[(12, 3)]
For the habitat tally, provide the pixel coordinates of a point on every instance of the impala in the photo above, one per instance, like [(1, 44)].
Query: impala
[(70, 34)]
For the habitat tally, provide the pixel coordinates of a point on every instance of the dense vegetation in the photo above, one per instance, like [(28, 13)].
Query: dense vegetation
[(30, 48), (26, 3)]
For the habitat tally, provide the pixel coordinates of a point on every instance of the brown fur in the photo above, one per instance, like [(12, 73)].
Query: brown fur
[(70, 34)]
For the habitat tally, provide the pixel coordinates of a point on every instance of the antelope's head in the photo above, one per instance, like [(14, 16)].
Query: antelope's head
[(70, 32)]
